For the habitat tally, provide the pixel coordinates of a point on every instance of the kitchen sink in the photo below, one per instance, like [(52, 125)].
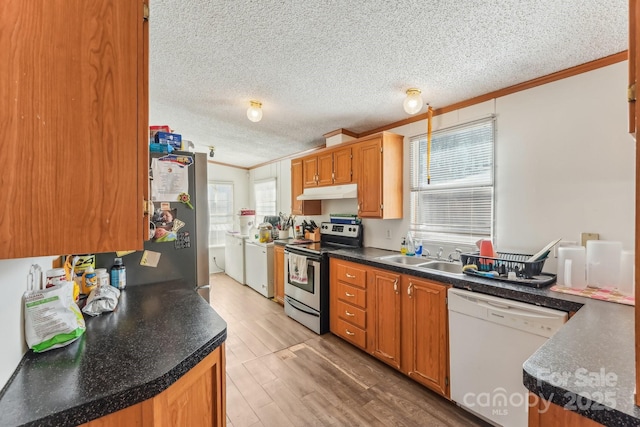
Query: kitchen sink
[(449, 267), (403, 259)]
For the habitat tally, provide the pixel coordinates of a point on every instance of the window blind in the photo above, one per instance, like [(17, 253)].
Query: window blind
[(457, 206), (266, 198), (220, 211)]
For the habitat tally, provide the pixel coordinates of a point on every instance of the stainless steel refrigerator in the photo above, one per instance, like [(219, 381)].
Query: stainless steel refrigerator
[(179, 231)]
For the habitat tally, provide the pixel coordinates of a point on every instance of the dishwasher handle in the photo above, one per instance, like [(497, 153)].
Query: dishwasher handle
[(512, 311)]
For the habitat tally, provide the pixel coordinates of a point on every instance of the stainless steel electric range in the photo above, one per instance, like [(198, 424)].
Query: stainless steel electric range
[(306, 297)]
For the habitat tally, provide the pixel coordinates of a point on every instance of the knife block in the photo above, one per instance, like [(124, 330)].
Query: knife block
[(315, 236)]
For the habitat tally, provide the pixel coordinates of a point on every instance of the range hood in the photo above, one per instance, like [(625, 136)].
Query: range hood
[(347, 191)]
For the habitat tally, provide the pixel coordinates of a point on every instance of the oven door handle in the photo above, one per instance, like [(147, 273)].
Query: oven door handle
[(294, 304)]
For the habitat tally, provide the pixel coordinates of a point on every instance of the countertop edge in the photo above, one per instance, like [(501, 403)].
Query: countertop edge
[(118, 401)]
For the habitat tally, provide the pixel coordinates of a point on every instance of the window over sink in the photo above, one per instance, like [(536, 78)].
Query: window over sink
[(457, 206)]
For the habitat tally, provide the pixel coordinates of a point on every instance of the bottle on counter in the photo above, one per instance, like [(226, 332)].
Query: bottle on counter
[(118, 274), (411, 249), (89, 280), (403, 246)]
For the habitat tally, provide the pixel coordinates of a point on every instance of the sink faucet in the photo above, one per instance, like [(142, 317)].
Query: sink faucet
[(439, 254), (425, 252), (451, 258)]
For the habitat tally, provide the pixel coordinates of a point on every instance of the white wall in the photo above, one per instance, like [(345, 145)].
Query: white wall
[(240, 179), (13, 283), (564, 164)]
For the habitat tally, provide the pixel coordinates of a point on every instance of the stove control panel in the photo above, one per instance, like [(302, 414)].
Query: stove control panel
[(345, 230)]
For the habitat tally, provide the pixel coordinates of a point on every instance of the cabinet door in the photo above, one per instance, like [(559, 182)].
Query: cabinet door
[(634, 67), (386, 316), (342, 166), (72, 118), (310, 171), (325, 169), (300, 207), (425, 345), (370, 179), (278, 273)]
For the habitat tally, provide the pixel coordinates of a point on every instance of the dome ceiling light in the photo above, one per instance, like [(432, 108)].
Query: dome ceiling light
[(413, 102), (254, 112)]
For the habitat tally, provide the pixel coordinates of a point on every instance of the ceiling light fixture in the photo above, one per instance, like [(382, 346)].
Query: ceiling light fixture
[(254, 112), (413, 102)]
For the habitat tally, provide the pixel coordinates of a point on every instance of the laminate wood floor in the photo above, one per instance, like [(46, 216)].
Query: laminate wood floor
[(280, 373)]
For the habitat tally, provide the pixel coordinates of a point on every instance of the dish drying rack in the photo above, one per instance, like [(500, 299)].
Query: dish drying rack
[(528, 273)]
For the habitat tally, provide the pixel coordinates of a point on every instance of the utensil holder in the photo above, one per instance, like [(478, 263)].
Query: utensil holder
[(315, 236)]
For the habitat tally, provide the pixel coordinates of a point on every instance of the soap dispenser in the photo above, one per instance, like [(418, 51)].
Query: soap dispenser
[(403, 246), (411, 249)]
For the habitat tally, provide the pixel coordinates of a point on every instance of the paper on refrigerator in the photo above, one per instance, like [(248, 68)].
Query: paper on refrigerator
[(170, 179)]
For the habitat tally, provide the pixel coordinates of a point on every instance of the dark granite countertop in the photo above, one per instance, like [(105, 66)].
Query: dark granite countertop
[(157, 333), (588, 366)]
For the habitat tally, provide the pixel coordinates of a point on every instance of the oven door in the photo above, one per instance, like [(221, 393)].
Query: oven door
[(307, 293)]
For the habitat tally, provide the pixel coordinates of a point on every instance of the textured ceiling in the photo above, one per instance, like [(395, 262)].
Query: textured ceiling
[(318, 66)]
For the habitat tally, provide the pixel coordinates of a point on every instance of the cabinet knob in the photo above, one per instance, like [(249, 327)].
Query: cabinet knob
[(410, 290), (395, 286)]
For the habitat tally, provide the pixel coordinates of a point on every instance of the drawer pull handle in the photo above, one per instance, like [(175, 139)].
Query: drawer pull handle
[(349, 295), (349, 332), (349, 314), (350, 276), (395, 286), (410, 290)]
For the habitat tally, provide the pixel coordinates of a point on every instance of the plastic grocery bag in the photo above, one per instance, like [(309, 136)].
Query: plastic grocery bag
[(52, 318)]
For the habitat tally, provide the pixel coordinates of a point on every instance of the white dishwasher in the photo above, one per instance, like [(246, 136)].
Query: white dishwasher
[(489, 340), (259, 266)]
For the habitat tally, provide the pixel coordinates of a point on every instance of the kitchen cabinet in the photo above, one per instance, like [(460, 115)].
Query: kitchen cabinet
[(634, 71), (348, 301), (634, 66), (342, 166), (378, 162), (74, 127), (545, 414), (301, 207), (331, 167), (386, 329), (425, 339), (278, 273), (196, 399), (400, 319)]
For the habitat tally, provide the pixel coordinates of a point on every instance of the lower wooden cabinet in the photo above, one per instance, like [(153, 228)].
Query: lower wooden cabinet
[(543, 413), (196, 399), (348, 307), (278, 273), (402, 318), (425, 338), (385, 288)]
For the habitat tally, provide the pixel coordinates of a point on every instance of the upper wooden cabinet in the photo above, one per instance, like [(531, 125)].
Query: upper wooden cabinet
[(331, 167), (74, 115), (373, 162), (379, 176), (300, 207)]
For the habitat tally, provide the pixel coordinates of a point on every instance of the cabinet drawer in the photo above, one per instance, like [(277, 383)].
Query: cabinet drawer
[(352, 314), (352, 274), (352, 334), (352, 295)]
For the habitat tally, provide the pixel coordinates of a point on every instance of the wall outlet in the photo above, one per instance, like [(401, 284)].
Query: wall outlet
[(387, 233), (588, 236)]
